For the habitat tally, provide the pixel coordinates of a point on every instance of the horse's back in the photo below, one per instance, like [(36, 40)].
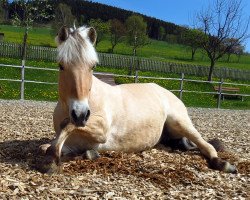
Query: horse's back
[(151, 94)]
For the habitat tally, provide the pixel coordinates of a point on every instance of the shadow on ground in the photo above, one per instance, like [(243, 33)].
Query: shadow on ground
[(159, 168), (22, 152)]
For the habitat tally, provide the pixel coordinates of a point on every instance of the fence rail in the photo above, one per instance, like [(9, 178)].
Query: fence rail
[(219, 93), (128, 62)]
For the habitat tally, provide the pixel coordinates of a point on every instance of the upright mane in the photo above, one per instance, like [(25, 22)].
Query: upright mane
[(76, 47)]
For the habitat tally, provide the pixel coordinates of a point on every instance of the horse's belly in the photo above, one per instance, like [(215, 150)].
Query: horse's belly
[(137, 120), (133, 140)]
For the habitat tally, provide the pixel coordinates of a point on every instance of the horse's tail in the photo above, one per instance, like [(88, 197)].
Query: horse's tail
[(217, 144)]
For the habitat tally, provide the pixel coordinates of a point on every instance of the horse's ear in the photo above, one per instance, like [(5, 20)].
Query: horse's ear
[(63, 34), (92, 35)]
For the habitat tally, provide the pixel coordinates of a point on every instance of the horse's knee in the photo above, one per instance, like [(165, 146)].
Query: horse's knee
[(43, 148), (59, 116)]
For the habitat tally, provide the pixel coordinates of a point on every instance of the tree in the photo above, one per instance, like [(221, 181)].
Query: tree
[(25, 12), (3, 10), (192, 38), (102, 28), (222, 21), (23, 17), (136, 32), (162, 33), (1, 14), (238, 51), (117, 32), (231, 50), (171, 38), (63, 17), (44, 11)]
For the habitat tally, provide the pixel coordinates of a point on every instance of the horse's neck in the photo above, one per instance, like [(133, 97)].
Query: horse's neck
[(99, 89), (98, 84)]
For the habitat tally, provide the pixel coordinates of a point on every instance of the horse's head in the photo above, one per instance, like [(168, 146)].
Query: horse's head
[(76, 58)]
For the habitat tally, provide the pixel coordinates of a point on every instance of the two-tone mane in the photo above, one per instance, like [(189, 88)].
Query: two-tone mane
[(78, 47)]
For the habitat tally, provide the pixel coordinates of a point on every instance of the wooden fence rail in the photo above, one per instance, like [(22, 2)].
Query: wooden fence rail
[(181, 90), (127, 62)]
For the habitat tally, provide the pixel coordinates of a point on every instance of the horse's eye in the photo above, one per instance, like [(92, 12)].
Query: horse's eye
[(93, 67), (60, 67)]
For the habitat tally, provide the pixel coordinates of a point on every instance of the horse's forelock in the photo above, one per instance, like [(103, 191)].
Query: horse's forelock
[(77, 48)]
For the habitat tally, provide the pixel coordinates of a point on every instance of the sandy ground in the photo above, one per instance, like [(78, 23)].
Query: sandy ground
[(159, 173)]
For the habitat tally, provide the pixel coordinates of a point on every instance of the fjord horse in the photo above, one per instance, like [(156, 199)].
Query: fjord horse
[(92, 115)]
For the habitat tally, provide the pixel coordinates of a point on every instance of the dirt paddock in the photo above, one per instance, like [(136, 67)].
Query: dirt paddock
[(159, 173)]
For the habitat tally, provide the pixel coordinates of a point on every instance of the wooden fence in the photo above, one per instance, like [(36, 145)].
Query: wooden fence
[(128, 62), (181, 90)]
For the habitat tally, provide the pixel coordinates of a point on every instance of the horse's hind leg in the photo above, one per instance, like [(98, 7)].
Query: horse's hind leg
[(181, 143), (181, 126)]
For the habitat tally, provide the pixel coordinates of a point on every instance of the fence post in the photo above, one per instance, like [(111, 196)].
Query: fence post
[(219, 93), (181, 85), (22, 79), (136, 76), (131, 66)]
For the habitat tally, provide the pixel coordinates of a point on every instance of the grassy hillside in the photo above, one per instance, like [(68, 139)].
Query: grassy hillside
[(158, 50), (36, 36)]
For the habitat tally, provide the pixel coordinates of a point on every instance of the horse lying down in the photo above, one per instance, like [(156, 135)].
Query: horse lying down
[(92, 116)]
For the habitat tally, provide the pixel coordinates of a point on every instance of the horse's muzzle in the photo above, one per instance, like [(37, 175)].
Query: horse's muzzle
[(80, 119)]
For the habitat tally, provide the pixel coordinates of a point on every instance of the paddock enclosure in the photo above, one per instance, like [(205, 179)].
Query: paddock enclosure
[(159, 173)]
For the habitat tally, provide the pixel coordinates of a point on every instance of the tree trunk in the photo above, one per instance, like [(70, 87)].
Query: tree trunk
[(24, 50), (193, 52), (134, 51), (113, 46), (228, 57), (211, 70), (238, 58)]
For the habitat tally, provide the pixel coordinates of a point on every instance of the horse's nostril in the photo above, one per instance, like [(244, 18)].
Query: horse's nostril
[(82, 118), (87, 115), (74, 116)]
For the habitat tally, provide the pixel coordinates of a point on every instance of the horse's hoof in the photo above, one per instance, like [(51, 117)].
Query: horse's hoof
[(54, 169), (49, 166), (43, 149), (92, 154), (222, 165), (217, 144), (229, 168)]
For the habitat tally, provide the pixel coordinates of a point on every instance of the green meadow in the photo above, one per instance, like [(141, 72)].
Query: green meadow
[(36, 36), (155, 50), (158, 50), (34, 91)]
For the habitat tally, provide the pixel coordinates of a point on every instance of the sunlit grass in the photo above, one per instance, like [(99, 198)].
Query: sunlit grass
[(158, 50), (34, 91)]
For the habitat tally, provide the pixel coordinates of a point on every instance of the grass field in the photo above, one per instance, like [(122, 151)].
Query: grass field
[(34, 91), (36, 36), (158, 50)]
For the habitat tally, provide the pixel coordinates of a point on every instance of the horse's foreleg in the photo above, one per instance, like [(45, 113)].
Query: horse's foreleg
[(182, 126), (95, 130), (59, 118)]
